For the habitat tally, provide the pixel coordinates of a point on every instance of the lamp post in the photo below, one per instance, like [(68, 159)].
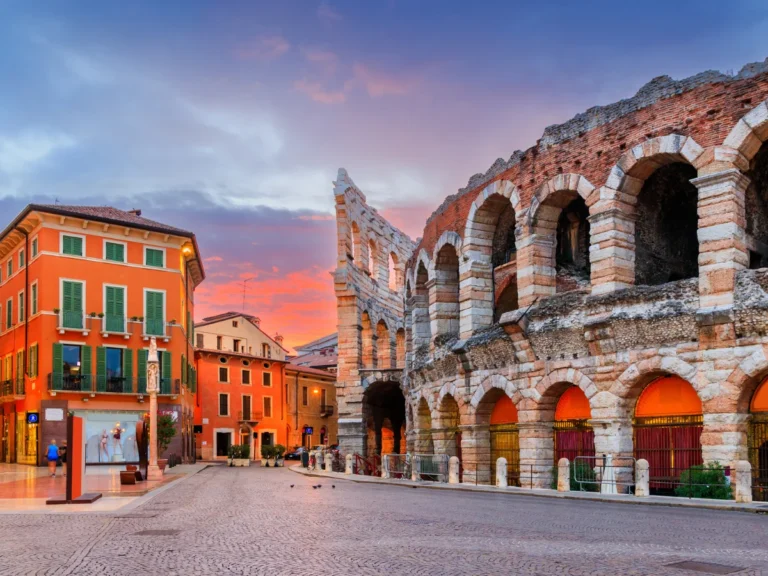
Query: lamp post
[(153, 369)]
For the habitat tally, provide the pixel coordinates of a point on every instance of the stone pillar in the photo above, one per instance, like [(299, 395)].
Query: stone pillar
[(348, 464), (563, 475), (722, 239), (384, 468), (353, 436), (613, 435), (329, 463), (476, 454), (743, 482), (415, 469), (537, 445), (501, 472), (319, 459), (535, 267), (724, 438), (453, 470), (642, 478), (612, 246), (475, 297)]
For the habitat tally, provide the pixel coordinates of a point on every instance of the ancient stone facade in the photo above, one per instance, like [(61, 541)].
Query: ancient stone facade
[(639, 236)]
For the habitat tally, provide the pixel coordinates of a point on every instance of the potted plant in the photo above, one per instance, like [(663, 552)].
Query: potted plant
[(134, 318), (166, 431), (232, 453), (266, 455), (243, 455), (101, 314), (279, 451)]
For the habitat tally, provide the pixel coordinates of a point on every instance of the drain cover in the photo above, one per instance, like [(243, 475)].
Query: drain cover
[(171, 533), (706, 567)]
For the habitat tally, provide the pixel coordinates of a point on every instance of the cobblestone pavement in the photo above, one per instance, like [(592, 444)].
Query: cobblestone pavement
[(249, 521)]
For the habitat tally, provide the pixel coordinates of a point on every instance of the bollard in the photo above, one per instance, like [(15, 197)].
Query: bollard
[(563, 475), (453, 470), (329, 463), (348, 465), (415, 468), (384, 468), (642, 478), (501, 473), (743, 484), (319, 459)]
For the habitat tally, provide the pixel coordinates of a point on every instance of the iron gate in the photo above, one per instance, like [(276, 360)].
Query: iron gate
[(573, 438), (505, 443), (758, 455), (671, 445)]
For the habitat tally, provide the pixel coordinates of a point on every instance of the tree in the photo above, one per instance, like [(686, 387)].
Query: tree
[(166, 431)]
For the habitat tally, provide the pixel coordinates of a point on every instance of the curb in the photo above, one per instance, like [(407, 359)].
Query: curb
[(668, 501)]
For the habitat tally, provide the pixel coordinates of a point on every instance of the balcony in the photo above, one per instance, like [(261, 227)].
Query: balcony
[(58, 382), (155, 327), (73, 322), (250, 416), (326, 410), (114, 385), (115, 325)]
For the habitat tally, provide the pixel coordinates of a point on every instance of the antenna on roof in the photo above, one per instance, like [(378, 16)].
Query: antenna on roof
[(56, 201), (244, 282)]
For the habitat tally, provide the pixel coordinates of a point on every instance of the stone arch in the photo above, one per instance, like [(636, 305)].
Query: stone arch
[(384, 354), (418, 305), (495, 381), (355, 246), (483, 217), (444, 288), (374, 265), (637, 376), (423, 426), (559, 229), (400, 348), (550, 388), (742, 383), (749, 133), (394, 272), (367, 341)]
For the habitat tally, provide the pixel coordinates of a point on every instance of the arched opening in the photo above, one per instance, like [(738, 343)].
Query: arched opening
[(506, 299), (372, 260), (384, 413), (572, 251), (448, 425), (667, 431), (422, 332), (666, 242), (424, 442), (499, 210), (383, 346), (758, 442), (756, 209), (400, 348), (355, 242), (446, 315), (497, 411), (368, 349), (574, 436), (395, 282)]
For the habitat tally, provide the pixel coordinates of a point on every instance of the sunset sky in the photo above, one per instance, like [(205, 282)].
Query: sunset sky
[(231, 119)]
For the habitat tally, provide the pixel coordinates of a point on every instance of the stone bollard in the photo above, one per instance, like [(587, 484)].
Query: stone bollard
[(563, 475), (319, 459), (328, 463), (414, 469), (384, 468), (348, 465), (501, 473), (642, 478), (453, 470), (743, 483)]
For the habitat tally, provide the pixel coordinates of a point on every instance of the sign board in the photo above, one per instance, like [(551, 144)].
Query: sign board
[(308, 430), (33, 417), (205, 420), (54, 414)]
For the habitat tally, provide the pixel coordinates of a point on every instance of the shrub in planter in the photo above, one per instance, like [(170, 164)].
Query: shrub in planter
[(704, 481), (279, 450), (267, 453), (232, 454)]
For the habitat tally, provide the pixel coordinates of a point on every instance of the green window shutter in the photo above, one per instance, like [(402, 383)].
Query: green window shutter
[(115, 252), (183, 369), (34, 248), (77, 246), (85, 361), (58, 358), (110, 301), (19, 366), (120, 302), (34, 360), (101, 368), (34, 298), (141, 359), (153, 257), (66, 245), (77, 297), (166, 375), (128, 364), (67, 297)]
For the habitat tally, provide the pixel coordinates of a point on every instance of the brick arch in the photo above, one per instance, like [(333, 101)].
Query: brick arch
[(447, 237), (749, 133), (483, 215), (450, 389), (444, 290), (551, 387), (422, 258), (635, 165), (737, 390), (498, 382), (637, 376), (556, 193)]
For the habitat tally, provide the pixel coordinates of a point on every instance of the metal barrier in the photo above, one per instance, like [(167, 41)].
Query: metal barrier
[(396, 466), (337, 461), (432, 467), (603, 474), (367, 466)]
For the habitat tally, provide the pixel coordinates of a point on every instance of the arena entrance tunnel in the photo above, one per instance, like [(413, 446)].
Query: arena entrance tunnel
[(384, 415)]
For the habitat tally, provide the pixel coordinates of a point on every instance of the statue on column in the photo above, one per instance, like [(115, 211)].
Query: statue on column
[(153, 470)]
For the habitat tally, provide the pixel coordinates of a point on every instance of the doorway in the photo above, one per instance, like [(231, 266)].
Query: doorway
[(223, 442)]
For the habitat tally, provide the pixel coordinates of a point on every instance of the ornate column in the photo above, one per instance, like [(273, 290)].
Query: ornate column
[(153, 370)]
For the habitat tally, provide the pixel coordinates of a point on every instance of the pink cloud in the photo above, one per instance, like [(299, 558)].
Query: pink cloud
[(264, 48), (382, 84), (328, 14), (213, 259), (317, 93)]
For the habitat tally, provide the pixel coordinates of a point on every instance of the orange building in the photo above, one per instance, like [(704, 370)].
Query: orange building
[(242, 386), (82, 291)]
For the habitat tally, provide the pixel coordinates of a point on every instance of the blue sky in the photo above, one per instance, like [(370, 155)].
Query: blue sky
[(233, 118)]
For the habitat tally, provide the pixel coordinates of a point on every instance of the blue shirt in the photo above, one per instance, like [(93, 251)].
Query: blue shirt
[(53, 452)]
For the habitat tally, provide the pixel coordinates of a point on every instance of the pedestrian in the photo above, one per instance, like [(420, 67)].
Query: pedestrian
[(63, 457), (53, 457)]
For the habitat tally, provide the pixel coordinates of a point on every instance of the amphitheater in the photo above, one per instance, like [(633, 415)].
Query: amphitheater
[(604, 292)]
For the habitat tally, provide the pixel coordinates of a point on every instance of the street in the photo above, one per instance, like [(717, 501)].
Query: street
[(250, 521)]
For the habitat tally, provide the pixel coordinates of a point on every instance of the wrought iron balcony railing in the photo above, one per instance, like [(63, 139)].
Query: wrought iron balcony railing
[(58, 382), (326, 410), (6, 388), (249, 416), (114, 385)]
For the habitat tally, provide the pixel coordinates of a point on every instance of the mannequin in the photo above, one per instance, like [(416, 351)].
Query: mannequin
[(103, 446)]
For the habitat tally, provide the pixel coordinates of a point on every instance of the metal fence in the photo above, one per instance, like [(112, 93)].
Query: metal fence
[(432, 467), (698, 481), (758, 456), (397, 465), (602, 474)]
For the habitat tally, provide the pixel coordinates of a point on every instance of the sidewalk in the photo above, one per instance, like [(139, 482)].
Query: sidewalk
[(755, 507), (27, 488)]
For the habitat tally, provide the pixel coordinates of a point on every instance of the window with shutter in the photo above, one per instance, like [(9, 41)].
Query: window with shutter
[(114, 251), (223, 404), (154, 313), (22, 258), (154, 257), (8, 314), (72, 304), (246, 407), (141, 360), (267, 407), (165, 372), (21, 307), (101, 369), (9, 267), (267, 379), (115, 313), (72, 245), (223, 374), (33, 298), (246, 377), (200, 341), (58, 366), (34, 247)]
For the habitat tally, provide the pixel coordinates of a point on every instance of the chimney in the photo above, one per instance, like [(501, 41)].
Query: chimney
[(135, 211), (257, 321), (279, 339)]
